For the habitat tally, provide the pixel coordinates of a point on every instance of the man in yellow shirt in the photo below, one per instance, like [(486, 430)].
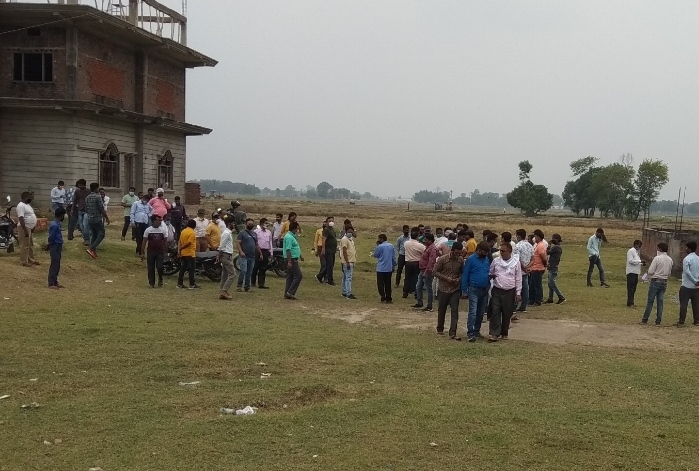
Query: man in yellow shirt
[(187, 253), (318, 245), (213, 233), (285, 226), (348, 257), (470, 244)]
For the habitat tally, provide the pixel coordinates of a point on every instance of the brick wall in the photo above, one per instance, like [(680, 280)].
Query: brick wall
[(106, 73), (676, 243), (51, 40), (165, 92), (192, 193)]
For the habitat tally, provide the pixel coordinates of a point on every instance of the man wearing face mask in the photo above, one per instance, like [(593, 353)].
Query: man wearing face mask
[(27, 223), (248, 251), (318, 245), (400, 246), (139, 217), (126, 202), (659, 271), (160, 204), (328, 251), (292, 253), (475, 283), (348, 257), (178, 214), (594, 244)]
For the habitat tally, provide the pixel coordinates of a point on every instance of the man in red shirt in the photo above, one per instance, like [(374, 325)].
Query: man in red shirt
[(426, 276), (537, 268)]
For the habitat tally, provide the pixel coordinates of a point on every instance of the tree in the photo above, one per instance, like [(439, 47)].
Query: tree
[(577, 194), (613, 189), (323, 189), (289, 191), (426, 196), (531, 199), (651, 177)]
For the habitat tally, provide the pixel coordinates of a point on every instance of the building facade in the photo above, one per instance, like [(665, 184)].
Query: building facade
[(86, 93)]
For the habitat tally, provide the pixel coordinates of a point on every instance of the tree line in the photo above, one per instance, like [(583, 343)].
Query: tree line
[(323, 190)]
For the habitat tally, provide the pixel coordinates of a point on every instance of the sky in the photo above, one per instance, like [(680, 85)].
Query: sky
[(392, 97)]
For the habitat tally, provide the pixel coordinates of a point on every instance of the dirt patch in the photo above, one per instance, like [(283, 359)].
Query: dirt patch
[(557, 332)]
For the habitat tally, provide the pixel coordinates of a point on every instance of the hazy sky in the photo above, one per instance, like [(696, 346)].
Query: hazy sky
[(396, 96)]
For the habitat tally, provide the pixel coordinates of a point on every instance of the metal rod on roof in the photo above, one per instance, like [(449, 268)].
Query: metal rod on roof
[(677, 212), (682, 213)]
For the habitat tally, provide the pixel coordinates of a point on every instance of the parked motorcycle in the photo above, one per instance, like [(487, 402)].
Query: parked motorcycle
[(277, 263), (7, 229), (205, 264)]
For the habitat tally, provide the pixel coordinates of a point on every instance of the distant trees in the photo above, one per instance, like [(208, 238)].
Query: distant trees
[(531, 199), (617, 190), (225, 186), (426, 196)]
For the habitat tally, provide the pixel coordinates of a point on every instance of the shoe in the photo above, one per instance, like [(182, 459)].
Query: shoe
[(351, 296), (53, 287), (454, 337), (561, 301), (151, 286), (536, 304), (344, 295), (548, 301), (180, 286), (643, 322), (492, 339), (440, 332), (290, 296), (521, 310), (405, 296), (160, 283), (389, 301), (320, 280), (35, 263), (247, 290), (263, 287), (604, 285), (224, 296), (60, 286), (678, 324), (123, 239), (472, 339), (479, 335), (589, 285), (331, 283), (657, 324), (416, 306), (514, 318), (383, 301), (427, 309), (240, 290), (91, 253), (194, 287)]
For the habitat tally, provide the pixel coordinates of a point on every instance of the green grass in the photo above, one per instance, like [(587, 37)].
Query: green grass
[(109, 356)]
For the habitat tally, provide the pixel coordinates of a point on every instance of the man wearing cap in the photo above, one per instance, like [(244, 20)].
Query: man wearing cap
[(594, 244), (159, 203)]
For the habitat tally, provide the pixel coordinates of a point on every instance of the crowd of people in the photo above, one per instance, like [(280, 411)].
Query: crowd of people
[(501, 276)]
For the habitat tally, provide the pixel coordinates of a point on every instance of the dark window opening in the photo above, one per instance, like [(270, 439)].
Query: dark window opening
[(33, 32), (33, 67), (109, 167), (165, 173)]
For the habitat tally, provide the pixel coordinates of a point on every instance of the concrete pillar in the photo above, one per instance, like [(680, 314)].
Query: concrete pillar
[(133, 12), (71, 62)]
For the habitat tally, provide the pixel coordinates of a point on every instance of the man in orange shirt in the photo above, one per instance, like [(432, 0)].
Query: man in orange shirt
[(187, 253), (537, 269)]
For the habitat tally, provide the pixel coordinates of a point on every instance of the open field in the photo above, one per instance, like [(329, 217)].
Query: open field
[(353, 385)]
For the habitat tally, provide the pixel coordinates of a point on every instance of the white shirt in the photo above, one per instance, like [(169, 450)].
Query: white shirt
[(277, 230), (200, 230), (440, 240), (226, 243), (221, 225), (27, 212), (633, 262), (105, 202), (58, 195), (660, 267)]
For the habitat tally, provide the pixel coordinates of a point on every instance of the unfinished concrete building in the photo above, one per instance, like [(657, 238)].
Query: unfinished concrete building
[(94, 91)]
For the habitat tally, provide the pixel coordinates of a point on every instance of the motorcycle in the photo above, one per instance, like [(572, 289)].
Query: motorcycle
[(7, 229), (205, 264), (277, 263)]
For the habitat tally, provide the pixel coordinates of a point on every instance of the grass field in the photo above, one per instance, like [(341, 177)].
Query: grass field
[(107, 359)]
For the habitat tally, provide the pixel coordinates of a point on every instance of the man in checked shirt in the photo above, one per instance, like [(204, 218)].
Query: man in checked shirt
[(447, 269)]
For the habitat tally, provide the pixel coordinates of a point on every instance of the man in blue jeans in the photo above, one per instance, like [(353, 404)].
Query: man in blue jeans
[(426, 276), (658, 272), (95, 216), (594, 243), (248, 249), (525, 252), (475, 282)]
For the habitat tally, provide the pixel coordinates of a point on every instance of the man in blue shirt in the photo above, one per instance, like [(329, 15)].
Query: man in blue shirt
[(140, 215), (594, 243), (475, 283), (56, 247), (386, 263), (689, 291), (400, 246)]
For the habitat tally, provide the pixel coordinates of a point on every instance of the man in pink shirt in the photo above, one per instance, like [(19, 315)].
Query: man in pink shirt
[(159, 203), (264, 240), (506, 273), (537, 269), (424, 280)]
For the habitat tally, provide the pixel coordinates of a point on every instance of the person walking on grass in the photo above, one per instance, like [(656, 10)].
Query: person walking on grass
[(58, 196), (328, 250), (385, 256), (594, 245), (554, 252), (127, 202), (447, 269), (139, 218), (25, 232), (413, 252), (633, 271), (96, 218), (56, 247), (506, 273), (318, 245), (292, 253), (689, 291), (400, 247), (79, 198), (187, 253), (155, 241), (658, 272), (525, 252), (248, 252), (348, 257), (266, 244), (475, 283), (225, 257), (426, 275), (537, 269)]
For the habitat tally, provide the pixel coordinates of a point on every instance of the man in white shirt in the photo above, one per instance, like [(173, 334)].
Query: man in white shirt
[(225, 256), (265, 241), (27, 223), (200, 231), (277, 230), (658, 272), (413, 253), (58, 196), (633, 271)]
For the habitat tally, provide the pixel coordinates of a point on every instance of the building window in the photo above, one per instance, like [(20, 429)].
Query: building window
[(33, 67), (165, 170), (109, 167)]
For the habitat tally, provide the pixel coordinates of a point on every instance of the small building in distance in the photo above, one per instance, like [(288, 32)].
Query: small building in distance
[(676, 242), (93, 93)]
